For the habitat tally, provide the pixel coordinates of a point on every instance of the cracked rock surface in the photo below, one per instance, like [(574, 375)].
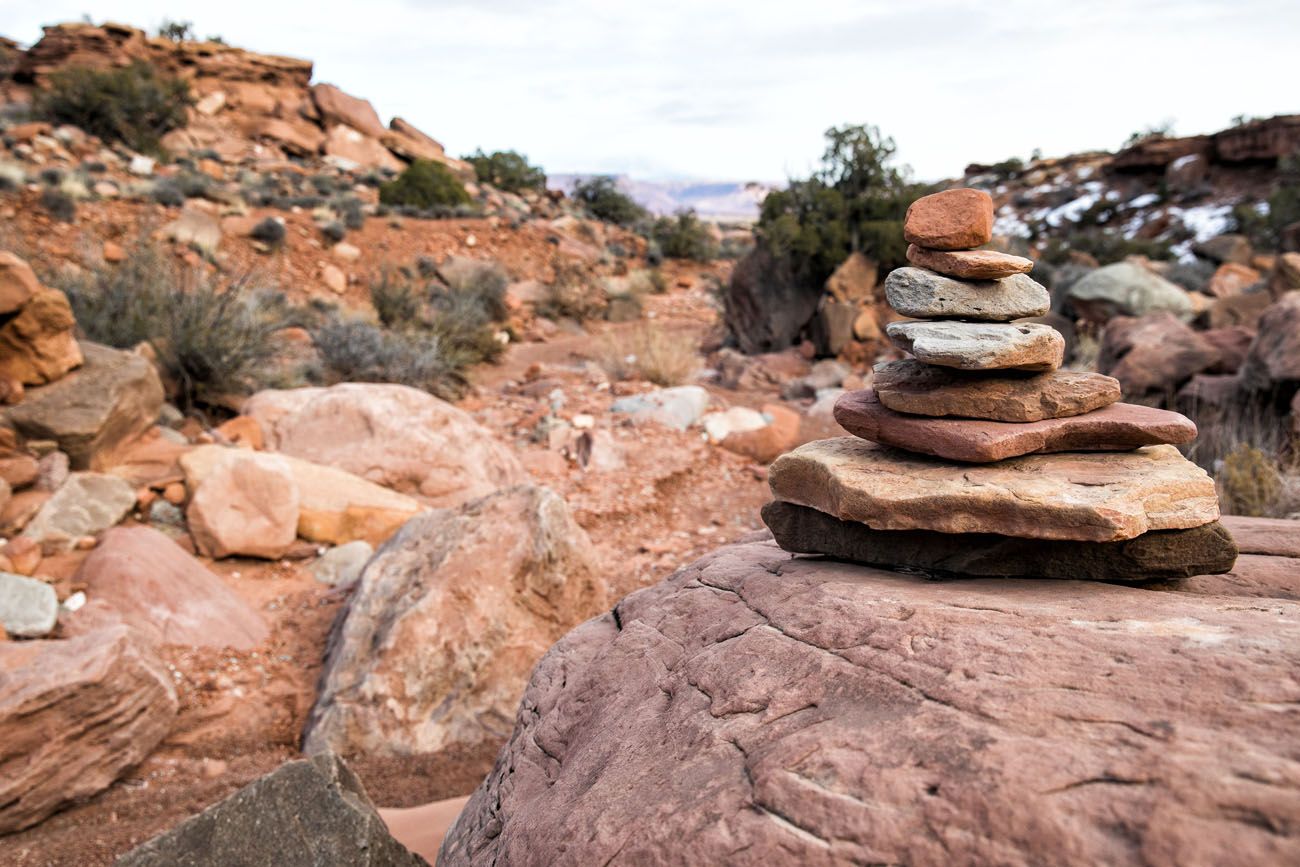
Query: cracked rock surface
[(760, 708)]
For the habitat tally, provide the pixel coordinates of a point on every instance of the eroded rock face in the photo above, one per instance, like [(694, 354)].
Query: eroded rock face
[(758, 709), (1095, 496), (399, 437), (447, 620), (306, 812), (74, 715)]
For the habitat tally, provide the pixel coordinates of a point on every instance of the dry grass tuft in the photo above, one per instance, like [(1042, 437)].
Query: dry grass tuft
[(652, 353)]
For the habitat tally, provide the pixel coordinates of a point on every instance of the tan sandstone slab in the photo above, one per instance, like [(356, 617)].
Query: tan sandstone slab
[(1118, 427), (925, 389), (1096, 496), (981, 345), (950, 220), (924, 294), (969, 264)]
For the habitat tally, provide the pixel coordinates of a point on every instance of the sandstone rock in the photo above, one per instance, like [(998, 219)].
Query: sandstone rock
[(246, 504), (300, 139), (1232, 344), (766, 307), (36, 343), (969, 264), (28, 608), (1154, 353), (85, 505), (398, 437), (827, 373), (334, 279), (341, 566), (981, 346), (194, 228), (1125, 289), (1243, 309), (737, 419), (832, 328), (335, 107), (1095, 496), (950, 220), (926, 295), (354, 146), (1285, 276), (1161, 555), (306, 812), (18, 284), (1232, 279), (165, 595), (767, 443), (95, 411), (1226, 249), (920, 389), (75, 715), (1118, 427), (854, 281), (677, 408), (765, 709), (446, 621), (1274, 357)]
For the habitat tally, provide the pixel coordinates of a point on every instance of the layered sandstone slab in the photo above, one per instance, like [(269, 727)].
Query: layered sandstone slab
[(924, 389), (1161, 555), (950, 220), (969, 264), (1095, 496), (981, 345), (770, 709), (1118, 427), (924, 294)]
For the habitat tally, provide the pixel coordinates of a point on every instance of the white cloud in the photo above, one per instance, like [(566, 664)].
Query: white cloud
[(744, 89)]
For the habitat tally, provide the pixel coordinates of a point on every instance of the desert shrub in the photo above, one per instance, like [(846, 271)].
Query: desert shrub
[(1250, 483), (356, 351), (507, 170), (601, 199), (351, 211), (269, 231), (573, 294), (426, 185), (397, 303), (167, 193), (59, 204), (334, 231), (209, 340), (135, 105), (684, 236), (176, 31), (652, 353)]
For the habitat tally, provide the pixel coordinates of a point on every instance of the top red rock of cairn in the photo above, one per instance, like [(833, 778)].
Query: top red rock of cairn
[(952, 220)]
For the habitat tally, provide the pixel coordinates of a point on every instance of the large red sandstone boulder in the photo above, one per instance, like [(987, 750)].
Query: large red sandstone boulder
[(1153, 353), (335, 106), (74, 715), (446, 622), (398, 437), (758, 708), (246, 504), (37, 344), (1274, 356), (166, 595)]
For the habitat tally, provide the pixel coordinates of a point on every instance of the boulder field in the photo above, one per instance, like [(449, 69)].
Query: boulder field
[(758, 708)]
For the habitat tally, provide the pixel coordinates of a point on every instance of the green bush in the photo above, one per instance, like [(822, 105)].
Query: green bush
[(135, 105), (426, 185), (684, 237), (356, 351), (601, 199), (397, 303), (507, 170)]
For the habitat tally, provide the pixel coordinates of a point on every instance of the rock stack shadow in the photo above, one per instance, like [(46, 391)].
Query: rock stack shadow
[(979, 456)]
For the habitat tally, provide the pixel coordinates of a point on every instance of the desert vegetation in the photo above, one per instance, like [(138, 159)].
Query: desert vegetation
[(135, 105)]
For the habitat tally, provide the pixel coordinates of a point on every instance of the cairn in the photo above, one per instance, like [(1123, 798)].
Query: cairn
[(978, 456)]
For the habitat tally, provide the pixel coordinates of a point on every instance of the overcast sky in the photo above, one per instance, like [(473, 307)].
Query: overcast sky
[(715, 89)]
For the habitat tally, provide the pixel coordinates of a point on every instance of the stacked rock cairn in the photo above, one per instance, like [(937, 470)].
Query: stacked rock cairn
[(978, 456)]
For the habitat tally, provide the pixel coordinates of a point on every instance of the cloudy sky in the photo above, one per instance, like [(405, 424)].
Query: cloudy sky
[(742, 90)]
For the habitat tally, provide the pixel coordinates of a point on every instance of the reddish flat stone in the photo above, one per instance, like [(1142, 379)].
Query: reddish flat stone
[(969, 264), (950, 220), (911, 387), (1118, 427)]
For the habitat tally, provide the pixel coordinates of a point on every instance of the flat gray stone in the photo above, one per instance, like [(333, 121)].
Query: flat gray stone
[(981, 345), (341, 566), (86, 504), (924, 294), (28, 608)]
